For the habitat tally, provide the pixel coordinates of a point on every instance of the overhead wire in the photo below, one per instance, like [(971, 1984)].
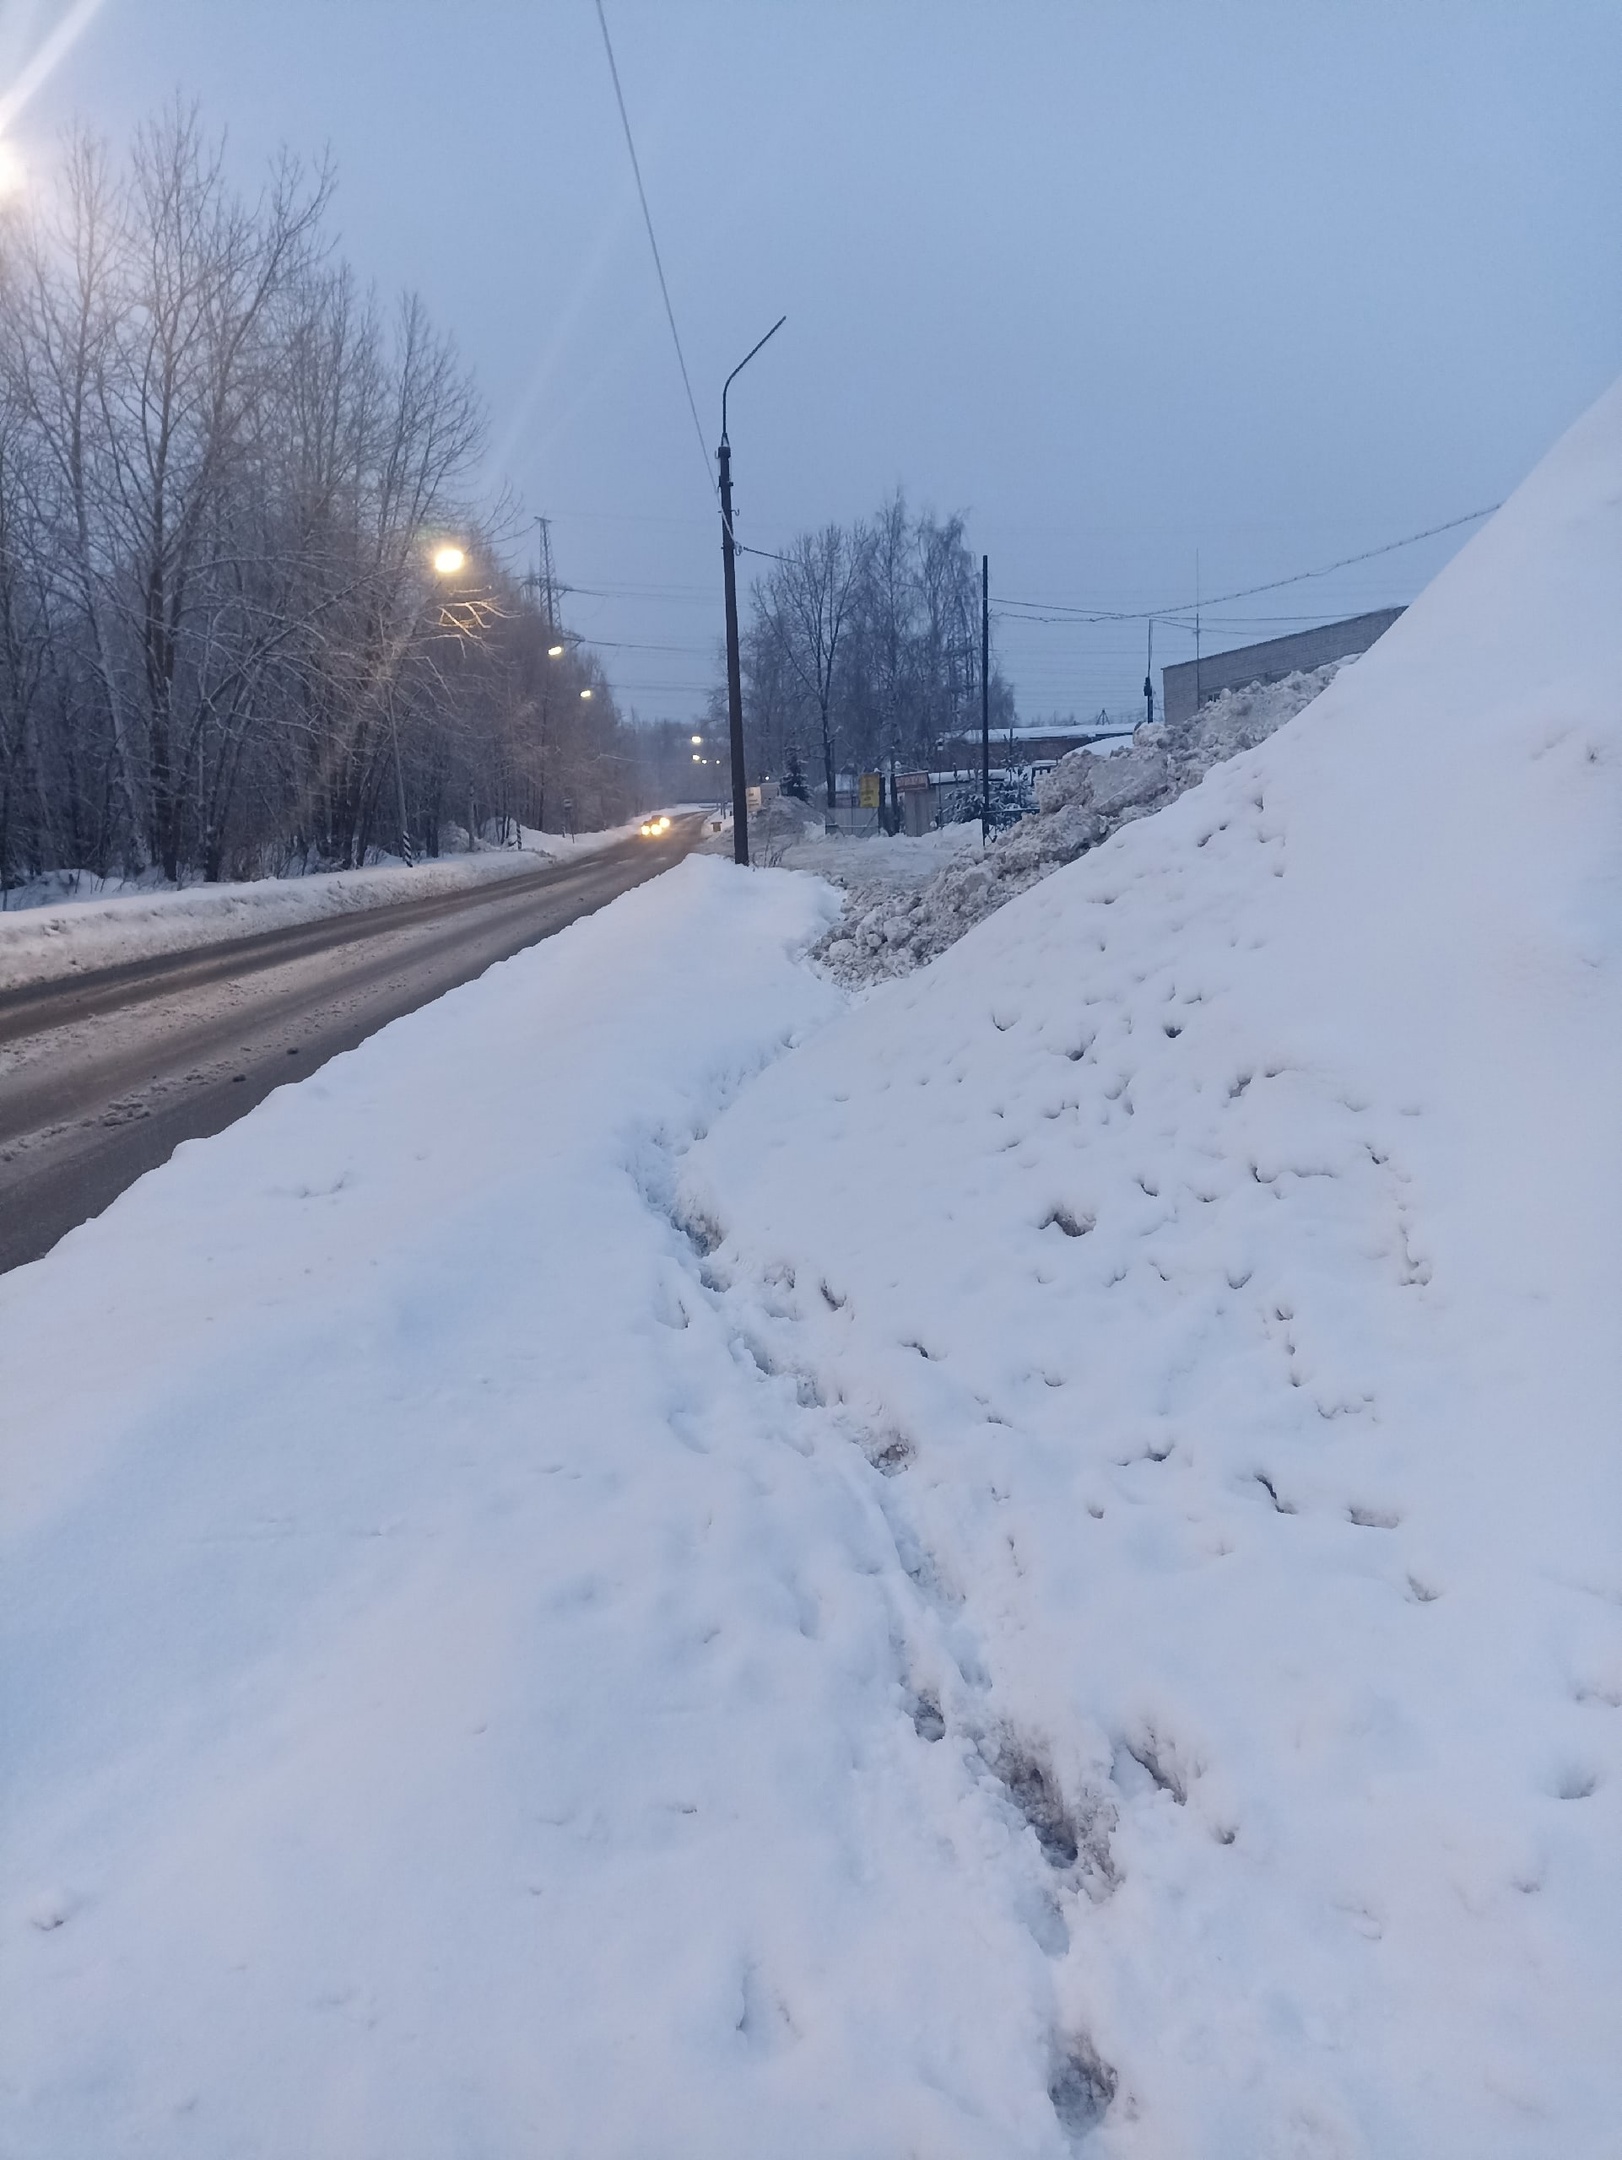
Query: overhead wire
[(1059, 611), (653, 242)]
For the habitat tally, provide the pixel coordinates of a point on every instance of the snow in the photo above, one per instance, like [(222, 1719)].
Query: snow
[(884, 863), (1225, 1234), (50, 931), (664, 1561), (1085, 797)]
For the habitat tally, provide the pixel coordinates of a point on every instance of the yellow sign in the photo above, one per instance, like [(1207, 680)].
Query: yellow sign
[(872, 791)]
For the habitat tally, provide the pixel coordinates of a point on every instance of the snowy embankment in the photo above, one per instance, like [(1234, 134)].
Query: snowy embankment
[(51, 940), (894, 922), (1223, 1243)]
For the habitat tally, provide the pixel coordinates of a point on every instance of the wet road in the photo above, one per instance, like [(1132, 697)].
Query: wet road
[(101, 1078)]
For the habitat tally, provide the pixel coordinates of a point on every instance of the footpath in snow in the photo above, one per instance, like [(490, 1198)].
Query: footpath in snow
[(453, 1687), (659, 1563)]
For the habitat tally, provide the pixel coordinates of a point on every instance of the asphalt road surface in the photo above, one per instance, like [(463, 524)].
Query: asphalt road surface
[(101, 1078)]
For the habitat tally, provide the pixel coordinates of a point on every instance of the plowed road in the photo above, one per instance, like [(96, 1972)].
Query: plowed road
[(102, 1077)]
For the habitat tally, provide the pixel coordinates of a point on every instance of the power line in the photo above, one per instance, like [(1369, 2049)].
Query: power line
[(1059, 611), (647, 219)]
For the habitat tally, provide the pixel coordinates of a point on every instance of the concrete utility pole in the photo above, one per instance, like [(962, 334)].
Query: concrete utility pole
[(740, 788), (985, 699), (729, 571)]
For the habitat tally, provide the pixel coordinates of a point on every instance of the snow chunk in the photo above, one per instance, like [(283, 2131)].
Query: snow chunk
[(1088, 795)]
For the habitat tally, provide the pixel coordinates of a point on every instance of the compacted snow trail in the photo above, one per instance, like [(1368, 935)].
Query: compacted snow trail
[(455, 1693)]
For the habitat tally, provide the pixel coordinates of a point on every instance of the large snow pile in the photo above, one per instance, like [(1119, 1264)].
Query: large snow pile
[(50, 932), (1220, 1246), (1087, 796)]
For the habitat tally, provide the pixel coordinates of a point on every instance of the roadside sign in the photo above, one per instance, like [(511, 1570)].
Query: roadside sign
[(871, 796), (911, 783), (752, 797)]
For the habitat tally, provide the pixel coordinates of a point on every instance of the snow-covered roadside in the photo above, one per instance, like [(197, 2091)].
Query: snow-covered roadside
[(62, 937), (454, 1688), (1225, 1238)]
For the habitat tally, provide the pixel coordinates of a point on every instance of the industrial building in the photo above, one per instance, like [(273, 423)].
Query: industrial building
[(1193, 683)]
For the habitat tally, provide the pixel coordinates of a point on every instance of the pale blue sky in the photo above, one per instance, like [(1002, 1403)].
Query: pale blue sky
[(1120, 282)]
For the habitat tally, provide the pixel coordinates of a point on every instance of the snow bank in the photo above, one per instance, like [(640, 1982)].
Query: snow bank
[(451, 1696), (1220, 1247), (60, 935), (1088, 795)]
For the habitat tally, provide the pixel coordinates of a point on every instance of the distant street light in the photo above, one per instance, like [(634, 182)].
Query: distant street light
[(698, 738), (586, 694), (554, 652), (448, 560)]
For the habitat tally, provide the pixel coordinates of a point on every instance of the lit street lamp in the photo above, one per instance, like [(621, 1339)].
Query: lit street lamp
[(448, 560)]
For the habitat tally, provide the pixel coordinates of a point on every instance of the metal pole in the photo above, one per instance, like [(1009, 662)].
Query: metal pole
[(740, 794), (985, 699), (729, 549), (1149, 677), (399, 782)]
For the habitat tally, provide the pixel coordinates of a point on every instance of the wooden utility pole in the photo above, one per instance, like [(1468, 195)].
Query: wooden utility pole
[(985, 699)]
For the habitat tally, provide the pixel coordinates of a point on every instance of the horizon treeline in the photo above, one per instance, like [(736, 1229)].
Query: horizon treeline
[(224, 471), (861, 651)]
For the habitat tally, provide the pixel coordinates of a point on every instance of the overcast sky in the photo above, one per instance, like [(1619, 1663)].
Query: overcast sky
[(1121, 283)]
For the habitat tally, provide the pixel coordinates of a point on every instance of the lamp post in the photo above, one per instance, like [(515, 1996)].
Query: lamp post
[(446, 560), (729, 550)]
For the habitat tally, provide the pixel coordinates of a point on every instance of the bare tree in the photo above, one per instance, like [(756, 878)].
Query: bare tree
[(806, 603), (871, 636), (224, 471)]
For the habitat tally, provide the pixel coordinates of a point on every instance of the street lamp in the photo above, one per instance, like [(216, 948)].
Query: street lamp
[(554, 652), (729, 549), (448, 560)]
